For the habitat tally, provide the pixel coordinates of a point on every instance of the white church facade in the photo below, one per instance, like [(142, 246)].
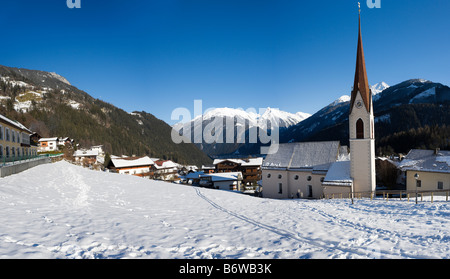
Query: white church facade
[(318, 169)]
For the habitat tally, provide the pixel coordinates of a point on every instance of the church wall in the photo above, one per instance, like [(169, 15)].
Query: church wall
[(271, 184), (293, 182)]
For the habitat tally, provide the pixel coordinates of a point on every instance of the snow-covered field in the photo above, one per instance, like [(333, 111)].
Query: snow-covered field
[(64, 211)]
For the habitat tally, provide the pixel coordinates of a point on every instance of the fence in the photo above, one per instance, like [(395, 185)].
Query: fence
[(389, 194), (18, 166), (13, 160)]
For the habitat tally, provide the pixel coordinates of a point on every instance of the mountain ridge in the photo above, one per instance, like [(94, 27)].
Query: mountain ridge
[(48, 104)]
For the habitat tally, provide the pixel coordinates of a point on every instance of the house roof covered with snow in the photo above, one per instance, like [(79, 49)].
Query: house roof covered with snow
[(168, 164), (48, 139), (426, 160), (85, 153), (14, 123), (131, 162), (303, 155), (243, 162), (224, 176)]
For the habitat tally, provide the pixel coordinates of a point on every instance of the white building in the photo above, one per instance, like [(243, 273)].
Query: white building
[(223, 181), (139, 166), (48, 144), (87, 156), (427, 170), (166, 170), (298, 170)]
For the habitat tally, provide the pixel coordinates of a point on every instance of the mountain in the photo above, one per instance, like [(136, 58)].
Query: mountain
[(379, 87), (411, 114), (243, 122), (47, 103)]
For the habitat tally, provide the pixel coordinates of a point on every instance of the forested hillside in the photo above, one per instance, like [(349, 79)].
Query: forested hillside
[(50, 105)]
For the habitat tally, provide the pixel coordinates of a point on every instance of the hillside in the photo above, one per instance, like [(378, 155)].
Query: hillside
[(110, 216), (48, 104)]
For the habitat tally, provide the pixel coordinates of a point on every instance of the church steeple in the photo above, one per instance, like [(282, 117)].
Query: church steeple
[(362, 127), (361, 83)]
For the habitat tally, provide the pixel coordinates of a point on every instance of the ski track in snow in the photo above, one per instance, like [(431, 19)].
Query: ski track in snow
[(64, 211)]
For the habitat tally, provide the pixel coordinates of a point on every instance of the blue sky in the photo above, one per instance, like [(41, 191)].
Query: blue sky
[(157, 55)]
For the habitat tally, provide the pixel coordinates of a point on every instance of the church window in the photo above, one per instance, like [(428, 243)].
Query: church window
[(359, 129)]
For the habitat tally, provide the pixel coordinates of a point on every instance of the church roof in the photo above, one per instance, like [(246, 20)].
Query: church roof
[(361, 83), (303, 155)]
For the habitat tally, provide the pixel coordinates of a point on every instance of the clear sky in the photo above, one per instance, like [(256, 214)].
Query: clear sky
[(157, 55)]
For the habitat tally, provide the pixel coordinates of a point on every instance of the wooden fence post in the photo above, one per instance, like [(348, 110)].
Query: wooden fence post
[(400, 195), (431, 197), (407, 196)]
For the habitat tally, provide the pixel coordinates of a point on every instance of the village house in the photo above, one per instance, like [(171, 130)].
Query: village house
[(427, 170), (62, 141), (86, 156), (48, 144), (208, 168), (223, 181), (15, 140), (250, 168), (192, 178), (138, 166), (166, 170)]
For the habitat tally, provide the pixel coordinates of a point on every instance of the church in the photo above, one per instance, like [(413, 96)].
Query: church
[(320, 169)]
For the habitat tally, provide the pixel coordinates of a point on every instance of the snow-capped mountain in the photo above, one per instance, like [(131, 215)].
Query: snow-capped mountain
[(243, 121), (379, 87), (253, 118)]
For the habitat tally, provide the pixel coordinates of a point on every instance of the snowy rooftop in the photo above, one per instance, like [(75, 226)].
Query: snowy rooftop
[(85, 153), (243, 162), (131, 162), (225, 176), (165, 164), (48, 139), (426, 160), (300, 155), (338, 174), (14, 123)]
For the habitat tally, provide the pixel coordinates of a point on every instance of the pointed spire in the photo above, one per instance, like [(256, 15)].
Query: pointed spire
[(361, 83)]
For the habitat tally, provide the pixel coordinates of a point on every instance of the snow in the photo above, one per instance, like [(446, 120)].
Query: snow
[(379, 87), (339, 174), (342, 99), (131, 161), (443, 159), (383, 118), (428, 93), (61, 210), (254, 119)]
